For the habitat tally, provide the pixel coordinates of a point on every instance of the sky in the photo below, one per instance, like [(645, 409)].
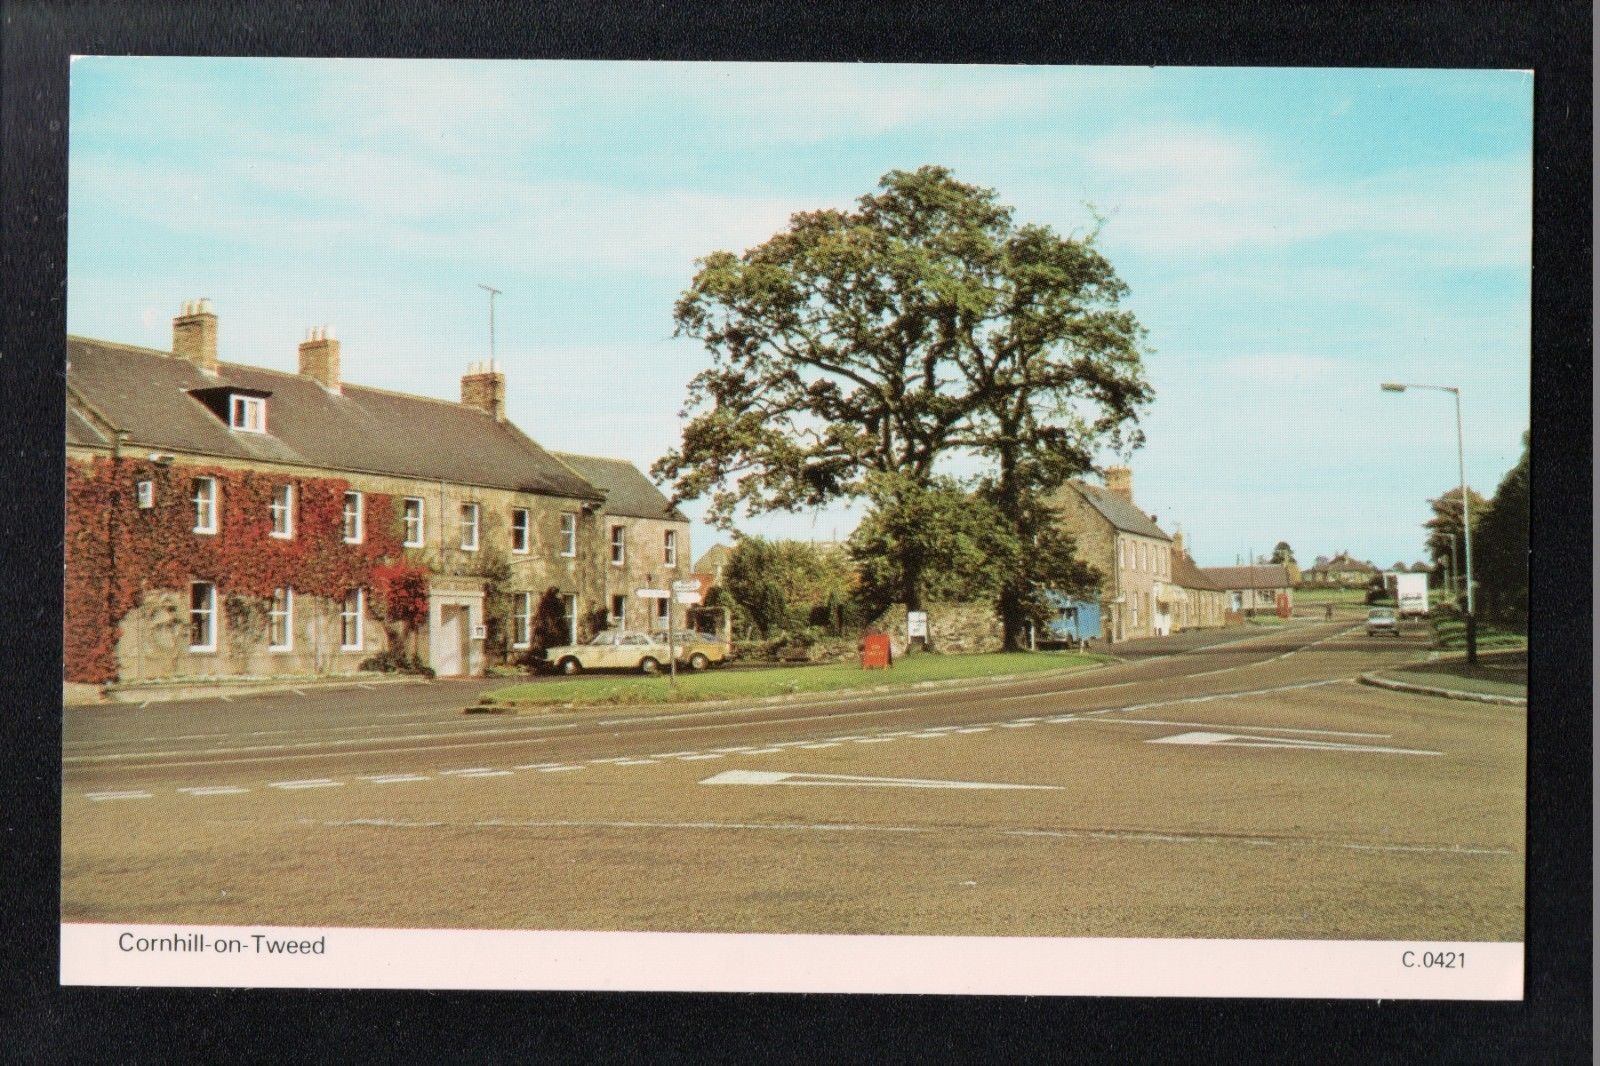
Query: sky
[(1291, 238)]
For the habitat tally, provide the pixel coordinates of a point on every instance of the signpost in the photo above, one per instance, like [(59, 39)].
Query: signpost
[(672, 643), (916, 625)]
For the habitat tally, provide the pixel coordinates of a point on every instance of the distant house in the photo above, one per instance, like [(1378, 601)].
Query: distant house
[(1341, 570), (1200, 602), (1253, 588), (1131, 552), (714, 562)]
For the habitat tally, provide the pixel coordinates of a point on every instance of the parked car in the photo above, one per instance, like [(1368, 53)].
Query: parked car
[(1382, 620), (621, 649)]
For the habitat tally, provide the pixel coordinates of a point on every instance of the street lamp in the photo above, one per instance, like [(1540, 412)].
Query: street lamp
[(1466, 514)]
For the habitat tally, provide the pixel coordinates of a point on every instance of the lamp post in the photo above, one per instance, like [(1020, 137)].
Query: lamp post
[(1466, 511)]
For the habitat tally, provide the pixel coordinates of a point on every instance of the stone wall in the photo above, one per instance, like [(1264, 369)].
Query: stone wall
[(953, 628)]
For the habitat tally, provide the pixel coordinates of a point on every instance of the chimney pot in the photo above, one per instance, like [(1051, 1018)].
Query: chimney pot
[(194, 335), (319, 357), (1119, 479), (485, 389)]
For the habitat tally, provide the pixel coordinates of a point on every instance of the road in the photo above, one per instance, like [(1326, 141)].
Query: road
[(1232, 784)]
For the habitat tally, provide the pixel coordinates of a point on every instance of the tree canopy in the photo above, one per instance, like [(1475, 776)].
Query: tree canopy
[(1500, 547), (1446, 523), (925, 325)]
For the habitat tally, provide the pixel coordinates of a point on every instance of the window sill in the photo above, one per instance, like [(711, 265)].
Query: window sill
[(352, 647), (356, 540), (205, 532), (277, 649), (469, 547), (519, 551), (209, 649), (281, 536)]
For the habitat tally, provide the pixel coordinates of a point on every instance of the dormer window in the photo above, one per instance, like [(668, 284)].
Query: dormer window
[(248, 413)]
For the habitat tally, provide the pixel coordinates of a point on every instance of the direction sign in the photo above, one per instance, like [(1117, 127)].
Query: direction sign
[(653, 594), (686, 586)]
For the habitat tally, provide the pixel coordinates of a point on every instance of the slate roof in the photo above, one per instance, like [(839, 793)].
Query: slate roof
[(1271, 576), (1187, 575), (146, 393), (628, 491), (1118, 511)]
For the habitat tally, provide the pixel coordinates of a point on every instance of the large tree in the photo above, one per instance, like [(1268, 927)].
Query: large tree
[(923, 326), (1500, 547), (1447, 545)]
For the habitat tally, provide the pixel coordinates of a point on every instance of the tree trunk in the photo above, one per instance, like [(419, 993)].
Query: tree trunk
[(911, 592), (1013, 626)]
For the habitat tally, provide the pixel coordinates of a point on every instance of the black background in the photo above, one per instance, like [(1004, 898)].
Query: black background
[(43, 1022)]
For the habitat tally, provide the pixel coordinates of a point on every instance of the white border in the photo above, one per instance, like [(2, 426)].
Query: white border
[(744, 962)]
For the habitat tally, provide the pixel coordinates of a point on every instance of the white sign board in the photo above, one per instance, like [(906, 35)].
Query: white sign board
[(686, 586), (916, 623), (687, 597), (653, 594)]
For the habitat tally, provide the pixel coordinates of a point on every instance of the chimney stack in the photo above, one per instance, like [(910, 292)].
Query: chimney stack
[(1177, 543), (484, 387), (319, 357), (194, 335), (1119, 479)]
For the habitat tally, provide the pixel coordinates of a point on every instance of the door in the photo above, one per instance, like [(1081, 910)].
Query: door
[(450, 641)]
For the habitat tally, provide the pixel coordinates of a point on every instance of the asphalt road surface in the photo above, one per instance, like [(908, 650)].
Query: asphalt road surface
[(1233, 784)]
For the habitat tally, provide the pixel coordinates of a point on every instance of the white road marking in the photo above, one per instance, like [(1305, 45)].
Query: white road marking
[(744, 748), (1017, 725), (1234, 740), (636, 762), (1242, 725), (763, 751), (320, 782), (702, 755), (537, 766), (769, 777), (824, 744), (927, 736), (130, 794), (214, 790), (557, 769), (465, 772), (326, 743), (394, 779), (876, 740), (476, 773), (978, 729)]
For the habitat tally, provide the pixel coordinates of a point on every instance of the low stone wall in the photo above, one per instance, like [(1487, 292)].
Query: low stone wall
[(953, 628)]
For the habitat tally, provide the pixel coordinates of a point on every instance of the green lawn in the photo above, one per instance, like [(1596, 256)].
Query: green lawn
[(615, 689), (1503, 673), (1308, 595), (1451, 634)]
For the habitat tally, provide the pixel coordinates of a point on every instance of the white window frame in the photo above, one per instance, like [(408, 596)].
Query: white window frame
[(619, 545), (569, 534), (205, 505), (421, 526), (669, 548), (287, 616), (569, 605), (663, 615), (523, 532), (360, 611), (469, 544), (208, 612), (522, 621), (619, 617), (283, 513), (248, 414), (355, 518)]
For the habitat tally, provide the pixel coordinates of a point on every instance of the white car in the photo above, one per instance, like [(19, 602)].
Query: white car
[(614, 649)]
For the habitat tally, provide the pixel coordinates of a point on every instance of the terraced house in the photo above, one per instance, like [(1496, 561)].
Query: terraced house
[(1132, 553), (232, 520)]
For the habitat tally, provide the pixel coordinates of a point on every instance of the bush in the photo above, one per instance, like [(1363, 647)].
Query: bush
[(397, 662)]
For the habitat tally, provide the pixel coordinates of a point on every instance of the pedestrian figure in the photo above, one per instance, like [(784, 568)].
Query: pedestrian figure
[(1328, 609)]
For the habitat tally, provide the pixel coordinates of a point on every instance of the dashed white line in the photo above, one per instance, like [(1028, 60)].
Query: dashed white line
[(394, 779), (130, 794), (702, 755), (477, 773), (557, 769), (824, 744), (320, 782), (214, 790), (636, 762)]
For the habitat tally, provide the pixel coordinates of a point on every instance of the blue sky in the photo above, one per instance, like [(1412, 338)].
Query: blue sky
[(1292, 238)]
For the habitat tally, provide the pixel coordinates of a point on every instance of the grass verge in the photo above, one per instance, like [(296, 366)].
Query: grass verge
[(1450, 634), (619, 690), (1500, 674)]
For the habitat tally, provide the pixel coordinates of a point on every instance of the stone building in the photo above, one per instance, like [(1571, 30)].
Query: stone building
[(1201, 602), (646, 542), (1128, 548), (1254, 588), (228, 520), (1342, 570)]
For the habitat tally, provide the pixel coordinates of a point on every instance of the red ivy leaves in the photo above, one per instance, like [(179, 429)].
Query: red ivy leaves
[(117, 552)]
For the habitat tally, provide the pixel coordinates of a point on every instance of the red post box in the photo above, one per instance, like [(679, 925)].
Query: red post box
[(876, 653)]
